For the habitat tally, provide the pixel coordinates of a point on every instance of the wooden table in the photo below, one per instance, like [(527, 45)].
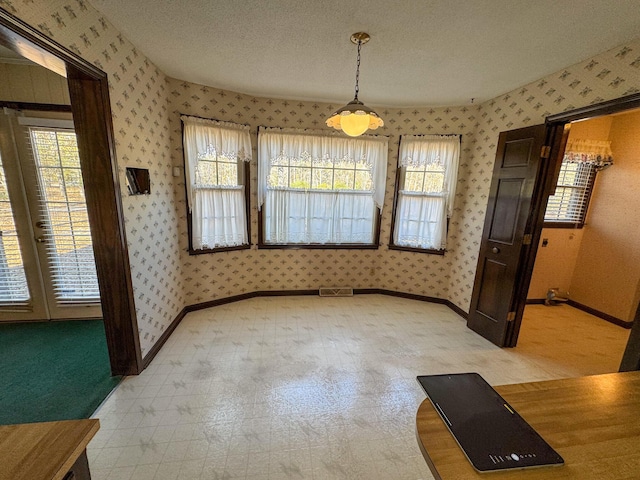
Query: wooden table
[(593, 422), (45, 451)]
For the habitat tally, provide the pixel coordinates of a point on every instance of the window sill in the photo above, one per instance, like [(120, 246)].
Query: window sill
[(219, 249), (317, 246), (568, 225), (430, 251)]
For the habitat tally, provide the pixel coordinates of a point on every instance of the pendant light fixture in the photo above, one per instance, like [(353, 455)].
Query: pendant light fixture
[(355, 118)]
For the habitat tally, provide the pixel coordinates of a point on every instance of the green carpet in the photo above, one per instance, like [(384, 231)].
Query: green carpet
[(53, 370)]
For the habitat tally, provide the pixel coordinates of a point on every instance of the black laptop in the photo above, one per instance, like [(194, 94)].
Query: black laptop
[(489, 431)]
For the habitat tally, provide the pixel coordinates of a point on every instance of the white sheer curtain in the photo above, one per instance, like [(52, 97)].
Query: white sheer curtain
[(421, 220), (421, 217), (218, 212), (221, 217), (318, 217), (292, 143), (313, 215)]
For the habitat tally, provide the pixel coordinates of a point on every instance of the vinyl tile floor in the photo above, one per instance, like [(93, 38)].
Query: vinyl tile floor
[(280, 388)]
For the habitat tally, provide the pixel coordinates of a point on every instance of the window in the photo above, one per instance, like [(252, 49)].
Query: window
[(63, 210), (13, 281), (319, 189), (583, 158), (568, 205), (216, 171), (428, 172)]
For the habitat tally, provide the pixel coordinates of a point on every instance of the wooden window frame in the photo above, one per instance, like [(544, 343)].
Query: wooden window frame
[(262, 245), (246, 178), (246, 175)]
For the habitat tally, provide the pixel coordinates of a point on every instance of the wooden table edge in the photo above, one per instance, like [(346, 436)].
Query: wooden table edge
[(80, 448), (628, 381)]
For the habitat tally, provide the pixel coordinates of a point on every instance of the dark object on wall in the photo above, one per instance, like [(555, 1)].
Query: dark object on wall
[(138, 181)]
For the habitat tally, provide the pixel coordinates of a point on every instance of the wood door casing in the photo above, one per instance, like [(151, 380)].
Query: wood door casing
[(91, 107), (509, 214)]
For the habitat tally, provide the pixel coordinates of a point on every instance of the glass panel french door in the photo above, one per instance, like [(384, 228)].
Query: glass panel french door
[(56, 228), (64, 224), (14, 291)]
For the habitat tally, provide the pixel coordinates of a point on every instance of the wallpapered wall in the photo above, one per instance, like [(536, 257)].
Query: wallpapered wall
[(145, 109), (211, 276), (610, 75), (140, 120)]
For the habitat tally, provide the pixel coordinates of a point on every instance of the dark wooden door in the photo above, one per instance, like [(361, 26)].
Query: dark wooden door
[(511, 217)]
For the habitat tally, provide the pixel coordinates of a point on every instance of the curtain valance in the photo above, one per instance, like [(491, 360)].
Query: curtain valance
[(275, 143), (425, 150), (593, 152), (422, 150), (210, 138)]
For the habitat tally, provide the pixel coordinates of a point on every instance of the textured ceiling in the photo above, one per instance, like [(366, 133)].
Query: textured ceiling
[(422, 52)]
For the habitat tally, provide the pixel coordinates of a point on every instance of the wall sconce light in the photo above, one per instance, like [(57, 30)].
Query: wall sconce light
[(355, 118)]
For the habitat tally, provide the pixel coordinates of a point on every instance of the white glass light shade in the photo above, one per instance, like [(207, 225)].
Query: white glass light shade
[(354, 124), (354, 119)]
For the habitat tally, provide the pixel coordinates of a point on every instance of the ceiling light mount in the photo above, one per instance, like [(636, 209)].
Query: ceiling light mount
[(355, 118), (360, 37)]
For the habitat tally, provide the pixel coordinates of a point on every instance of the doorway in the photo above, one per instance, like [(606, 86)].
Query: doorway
[(47, 267), (586, 259), (88, 91), (508, 308)]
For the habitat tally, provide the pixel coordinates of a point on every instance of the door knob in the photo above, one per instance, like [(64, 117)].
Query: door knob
[(495, 250), (41, 239)]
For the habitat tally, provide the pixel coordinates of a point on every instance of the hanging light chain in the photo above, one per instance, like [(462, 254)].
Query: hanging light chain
[(355, 118), (358, 70)]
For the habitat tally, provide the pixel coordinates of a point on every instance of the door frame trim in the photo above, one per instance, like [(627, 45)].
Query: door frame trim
[(555, 125), (90, 103)]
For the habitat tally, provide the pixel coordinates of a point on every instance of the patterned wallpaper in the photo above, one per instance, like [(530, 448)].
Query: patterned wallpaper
[(211, 276), (139, 105), (610, 75), (146, 108)]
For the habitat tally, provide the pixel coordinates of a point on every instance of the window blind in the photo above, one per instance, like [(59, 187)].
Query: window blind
[(569, 202), (63, 213), (13, 283)]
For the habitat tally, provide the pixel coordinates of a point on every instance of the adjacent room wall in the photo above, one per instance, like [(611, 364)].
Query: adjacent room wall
[(607, 270), (556, 262), (32, 84), (599, 265)]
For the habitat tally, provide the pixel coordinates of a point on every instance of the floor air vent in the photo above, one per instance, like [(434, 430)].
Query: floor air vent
[(336, 292)]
